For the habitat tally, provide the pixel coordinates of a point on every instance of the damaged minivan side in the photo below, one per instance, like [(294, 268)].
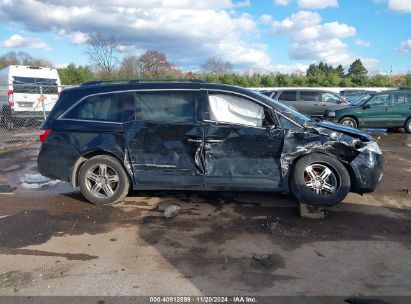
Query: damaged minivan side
[(109, 138)]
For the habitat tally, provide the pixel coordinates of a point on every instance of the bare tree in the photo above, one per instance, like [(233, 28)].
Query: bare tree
[(102, 52), (153, 63), (22, 58), (216, 65), (128, 66)]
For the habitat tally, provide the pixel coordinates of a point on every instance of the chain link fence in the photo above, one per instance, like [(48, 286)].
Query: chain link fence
[(23, 108)]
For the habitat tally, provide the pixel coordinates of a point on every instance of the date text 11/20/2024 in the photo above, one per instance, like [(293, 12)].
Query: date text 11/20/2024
[(203, 299)]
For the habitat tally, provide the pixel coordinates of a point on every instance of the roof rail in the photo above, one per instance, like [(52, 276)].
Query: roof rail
[(95, 82)]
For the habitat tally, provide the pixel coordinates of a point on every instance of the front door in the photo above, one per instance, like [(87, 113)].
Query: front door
[(164, 140), (377, 111), (239, 151)]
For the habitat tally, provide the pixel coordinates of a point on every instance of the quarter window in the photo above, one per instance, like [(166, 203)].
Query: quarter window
[(234, 109), (104, 107), (165, 107)]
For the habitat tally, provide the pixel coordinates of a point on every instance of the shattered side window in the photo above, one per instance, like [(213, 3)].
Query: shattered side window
[(165, 107), (235, 109)]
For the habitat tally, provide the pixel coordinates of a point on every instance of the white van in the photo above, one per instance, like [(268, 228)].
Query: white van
[(21, 88)]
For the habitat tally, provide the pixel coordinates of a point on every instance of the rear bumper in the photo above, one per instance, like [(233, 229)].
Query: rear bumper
[(368, 171)]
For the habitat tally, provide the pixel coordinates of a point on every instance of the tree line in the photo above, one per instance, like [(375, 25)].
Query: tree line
[(105, 64)]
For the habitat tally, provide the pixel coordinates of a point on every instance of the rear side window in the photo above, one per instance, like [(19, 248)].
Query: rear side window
[(409, 98), (309, 96), (104, 107), (165, 107), (399, 99), (288, 96)]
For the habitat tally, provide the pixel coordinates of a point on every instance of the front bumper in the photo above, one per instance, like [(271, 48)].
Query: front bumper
[(368, 171)]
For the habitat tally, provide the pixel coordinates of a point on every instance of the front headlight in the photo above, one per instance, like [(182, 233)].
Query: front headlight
[(331, 114), (372, 147)]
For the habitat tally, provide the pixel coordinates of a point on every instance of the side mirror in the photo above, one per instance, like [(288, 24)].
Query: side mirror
[(366, 106), (271, 128)]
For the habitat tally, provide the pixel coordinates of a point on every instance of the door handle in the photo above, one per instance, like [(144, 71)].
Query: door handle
[(214, 141), (194, 140)]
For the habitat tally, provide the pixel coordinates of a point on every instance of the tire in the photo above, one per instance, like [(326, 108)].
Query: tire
[(309, 187), (349, 122), (407, 126), (94, 180)]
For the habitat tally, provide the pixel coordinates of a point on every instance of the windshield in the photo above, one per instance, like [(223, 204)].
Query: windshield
[(286, 111), (360, 100)]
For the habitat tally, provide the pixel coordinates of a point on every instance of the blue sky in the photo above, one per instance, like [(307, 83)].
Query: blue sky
[(255, 35)]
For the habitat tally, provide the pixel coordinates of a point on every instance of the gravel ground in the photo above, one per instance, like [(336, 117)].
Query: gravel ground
[(52, 242)]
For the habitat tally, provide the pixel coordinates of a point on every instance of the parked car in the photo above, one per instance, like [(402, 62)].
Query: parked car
[(20, 88), (109, 138), (388, 109), (354, 94), (309, 101)]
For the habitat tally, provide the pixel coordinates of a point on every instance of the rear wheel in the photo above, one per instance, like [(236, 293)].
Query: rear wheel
[(349, 122), (407, 126), (103, 180), (320, 179)]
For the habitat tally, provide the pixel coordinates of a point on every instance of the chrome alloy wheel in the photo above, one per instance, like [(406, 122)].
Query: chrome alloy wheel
[(348, 123), (320, 179), (102, 181)]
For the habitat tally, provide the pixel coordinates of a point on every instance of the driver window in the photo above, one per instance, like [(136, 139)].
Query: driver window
[(328, 97), (380, 100), (228, 108)]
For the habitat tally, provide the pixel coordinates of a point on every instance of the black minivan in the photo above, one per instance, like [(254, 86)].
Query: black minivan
[(108, 138)]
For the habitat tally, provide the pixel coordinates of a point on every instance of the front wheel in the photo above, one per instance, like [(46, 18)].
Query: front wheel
[(320, 179), (349, 122), (407, 126), (103, 181)]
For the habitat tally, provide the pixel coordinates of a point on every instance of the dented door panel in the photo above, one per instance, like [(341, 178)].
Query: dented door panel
[(164, 154), (242, 157)]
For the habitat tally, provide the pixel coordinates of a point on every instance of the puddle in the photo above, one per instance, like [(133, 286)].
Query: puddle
[(7, 189)]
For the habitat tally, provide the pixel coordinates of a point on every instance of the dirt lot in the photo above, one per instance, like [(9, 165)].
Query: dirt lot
[(52, 242)]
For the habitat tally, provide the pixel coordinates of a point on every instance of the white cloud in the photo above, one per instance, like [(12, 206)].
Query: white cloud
[(309, 4), (18, 41), (312, 40), (370, 63), (361, 42), (281, 2), (265, 19), (317, 4), (295, 68), (403, 6), (405, 46), (187, 31)]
